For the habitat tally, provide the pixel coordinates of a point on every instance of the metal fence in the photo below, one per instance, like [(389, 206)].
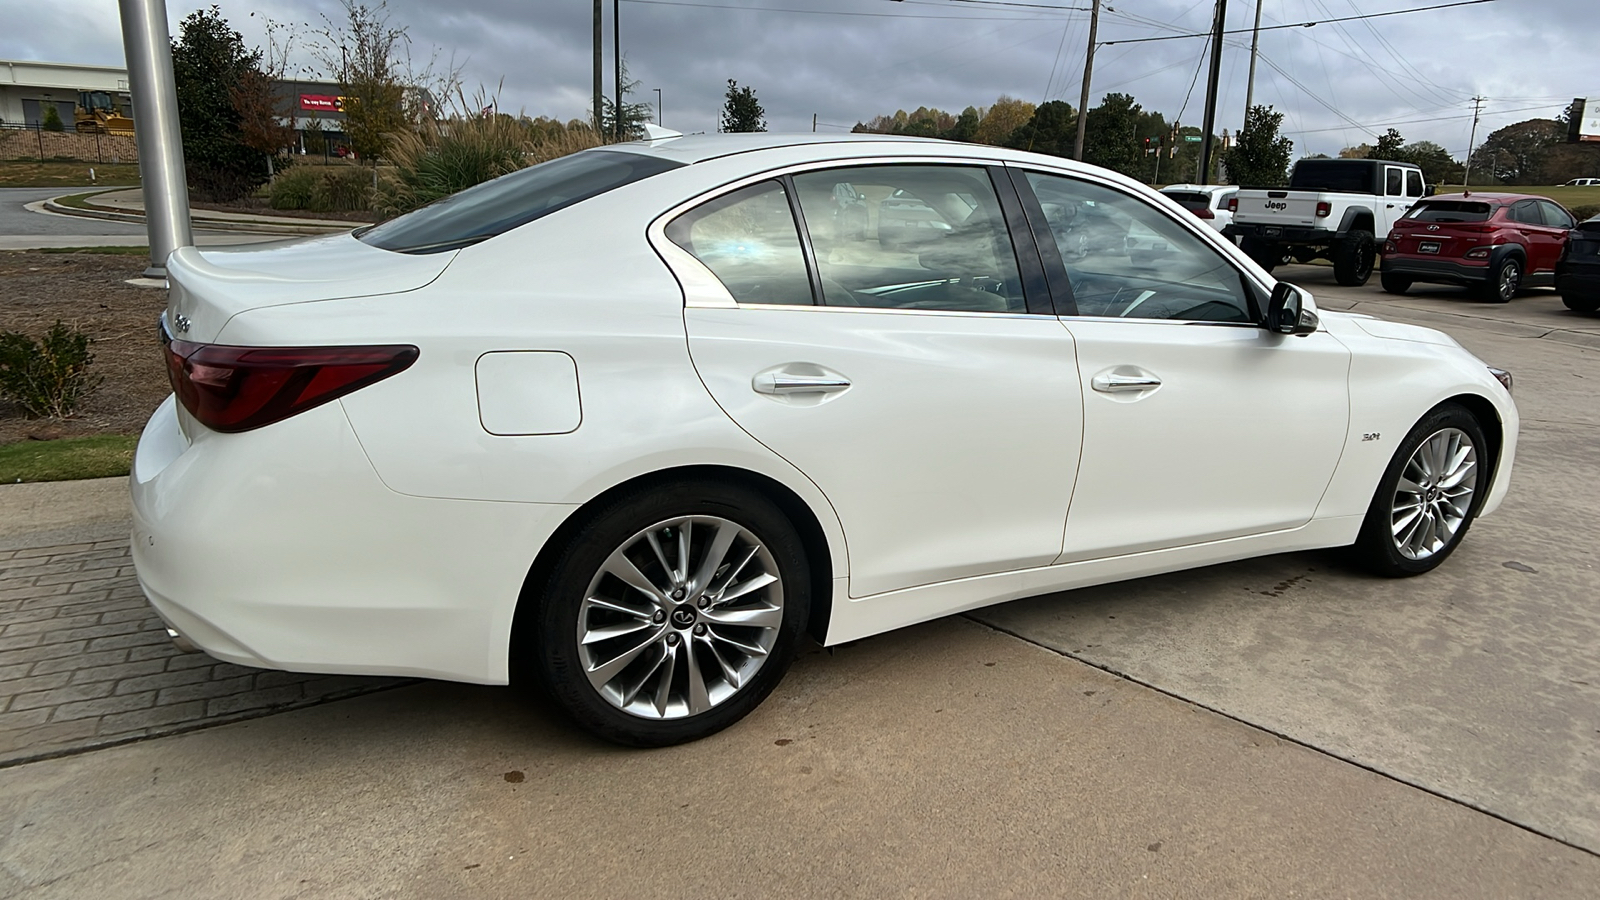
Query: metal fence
[(36, 142)]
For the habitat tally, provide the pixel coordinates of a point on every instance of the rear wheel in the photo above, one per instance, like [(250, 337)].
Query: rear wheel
[(1504, 281), (1581, 304), (672, 614), (1428, 497), (1353, 257), (1395, 284)]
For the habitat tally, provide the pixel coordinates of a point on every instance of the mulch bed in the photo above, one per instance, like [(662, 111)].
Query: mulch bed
[(257, 206), (87, 291)]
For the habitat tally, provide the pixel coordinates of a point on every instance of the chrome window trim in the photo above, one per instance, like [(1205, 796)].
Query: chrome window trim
[(702, 289)]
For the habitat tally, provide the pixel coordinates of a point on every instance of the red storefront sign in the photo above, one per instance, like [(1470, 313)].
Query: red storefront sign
[(321, 103)]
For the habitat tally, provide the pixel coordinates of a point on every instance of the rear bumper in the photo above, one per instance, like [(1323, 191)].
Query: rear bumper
[(280, 548), (1438, 271), (1281, 234)]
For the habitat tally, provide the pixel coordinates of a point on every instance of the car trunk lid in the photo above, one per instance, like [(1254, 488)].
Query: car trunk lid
[(211, 286)]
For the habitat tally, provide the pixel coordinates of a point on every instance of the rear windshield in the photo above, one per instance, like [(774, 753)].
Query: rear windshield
[(1450, 211), (1333, 175), (495, 207), (1190, 200)]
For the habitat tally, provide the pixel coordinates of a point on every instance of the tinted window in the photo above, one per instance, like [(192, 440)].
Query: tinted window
[(910, 237), (1393, 183), (1526, 212), (1555, 215), (1127, 259), (749, 241), (1193, 201), (1332, 175), (1414, 186), (497, 206), (1450, 211)]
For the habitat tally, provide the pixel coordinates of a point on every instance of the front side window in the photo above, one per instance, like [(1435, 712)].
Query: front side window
[(1555, 216), (748, 239), (910, 237), (1414, 185), (495, 207), (1127, 259)]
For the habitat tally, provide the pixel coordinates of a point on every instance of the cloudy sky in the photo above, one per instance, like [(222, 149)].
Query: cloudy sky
[(848, 60)]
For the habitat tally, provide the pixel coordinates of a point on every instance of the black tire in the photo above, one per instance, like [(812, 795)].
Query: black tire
[(559, 659), (1265, 255), (1505, 279), (1395, 284), (1353, 257), (1378, 547), (1581, 304)]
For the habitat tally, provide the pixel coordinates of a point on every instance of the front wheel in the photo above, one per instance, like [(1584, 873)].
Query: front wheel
[(672, 614), (1428, 497)]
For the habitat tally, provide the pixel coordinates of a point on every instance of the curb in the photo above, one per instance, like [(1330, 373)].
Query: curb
[(201, 221)]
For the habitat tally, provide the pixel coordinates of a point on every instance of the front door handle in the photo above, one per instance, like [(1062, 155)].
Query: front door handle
[(782, 383), (1111, 383)]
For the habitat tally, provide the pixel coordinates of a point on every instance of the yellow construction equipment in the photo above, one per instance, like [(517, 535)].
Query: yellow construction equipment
[(97, 113)]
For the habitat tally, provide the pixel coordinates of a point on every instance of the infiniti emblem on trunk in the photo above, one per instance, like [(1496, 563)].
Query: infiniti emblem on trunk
[(182, 321)]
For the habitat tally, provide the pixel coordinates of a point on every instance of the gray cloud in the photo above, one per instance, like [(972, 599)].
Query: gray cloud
[(1336, 83)]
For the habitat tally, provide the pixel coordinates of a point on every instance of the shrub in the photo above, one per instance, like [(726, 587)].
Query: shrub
[(292, 189), (52, 119), (341, 189), (48, 378), (1582, 213)]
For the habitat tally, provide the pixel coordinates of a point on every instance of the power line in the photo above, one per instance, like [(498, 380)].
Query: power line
[(833, 12), (1392, 12)]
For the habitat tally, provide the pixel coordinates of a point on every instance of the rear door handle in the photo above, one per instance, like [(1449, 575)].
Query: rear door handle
[(1110, 383), (782, 383)]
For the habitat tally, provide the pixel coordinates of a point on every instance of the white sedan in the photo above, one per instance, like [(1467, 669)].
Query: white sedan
[(630, 423)]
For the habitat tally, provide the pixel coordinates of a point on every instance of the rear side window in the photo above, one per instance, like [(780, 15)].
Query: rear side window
[(1392, 180), (1450, 211), (497, 206), (748, 239)]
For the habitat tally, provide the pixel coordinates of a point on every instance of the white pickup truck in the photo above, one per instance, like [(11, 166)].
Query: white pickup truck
[(1333, 208)]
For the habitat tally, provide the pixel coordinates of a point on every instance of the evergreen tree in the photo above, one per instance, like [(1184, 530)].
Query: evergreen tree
[(1053, 130), (1260, 156), (741, 111), (52, 118), (1111, 135), (209, 63)]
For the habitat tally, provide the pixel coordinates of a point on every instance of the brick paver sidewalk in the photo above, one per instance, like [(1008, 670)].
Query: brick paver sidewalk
[(84, 662)]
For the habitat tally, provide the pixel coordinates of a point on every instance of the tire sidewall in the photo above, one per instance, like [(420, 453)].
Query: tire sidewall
[(1355, 258), (1375, 547), (554, 643)]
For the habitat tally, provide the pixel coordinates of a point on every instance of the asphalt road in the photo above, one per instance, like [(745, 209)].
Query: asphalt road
[(22, 228)]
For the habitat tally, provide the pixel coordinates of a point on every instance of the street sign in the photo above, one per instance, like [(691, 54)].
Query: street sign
[(1195, 138)]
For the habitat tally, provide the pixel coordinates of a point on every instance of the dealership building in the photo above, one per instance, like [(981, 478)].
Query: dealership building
[(28, 87)]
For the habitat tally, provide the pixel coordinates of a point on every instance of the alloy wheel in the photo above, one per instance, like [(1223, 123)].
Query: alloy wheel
[(1510, 278), (1434, 494), (680, 617)]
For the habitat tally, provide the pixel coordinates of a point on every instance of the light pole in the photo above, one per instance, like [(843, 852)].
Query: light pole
[(658, 108), (148, 48)]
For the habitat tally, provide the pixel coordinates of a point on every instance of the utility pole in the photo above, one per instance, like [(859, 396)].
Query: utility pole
[(1206, 143), (616, 51), (1250, 85), (599, 51), (813, 123), (148, 48), (1477, 107), (1088, 73)]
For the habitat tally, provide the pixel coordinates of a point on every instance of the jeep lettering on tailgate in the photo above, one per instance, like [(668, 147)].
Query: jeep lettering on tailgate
[(1276, 204)]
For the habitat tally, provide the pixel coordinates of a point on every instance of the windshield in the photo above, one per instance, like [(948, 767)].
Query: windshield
[(1194, 201), (1335, 175), (1450, 211), (497, 206)]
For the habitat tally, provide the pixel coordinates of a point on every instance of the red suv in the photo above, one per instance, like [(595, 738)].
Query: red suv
[(1494, 243)]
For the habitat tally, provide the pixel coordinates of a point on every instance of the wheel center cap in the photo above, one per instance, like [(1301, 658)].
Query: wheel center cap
[(683, 616)]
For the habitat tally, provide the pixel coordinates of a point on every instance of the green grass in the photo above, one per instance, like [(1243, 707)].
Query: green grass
[(67, 459), (79, 201), (109, 251), (33, 173), (1566, 196)]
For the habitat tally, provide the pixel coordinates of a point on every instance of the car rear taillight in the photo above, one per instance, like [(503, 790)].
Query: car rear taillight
[(1205, 213), (1324, 209), (239, 388), (1233, 204), (1389, 246)]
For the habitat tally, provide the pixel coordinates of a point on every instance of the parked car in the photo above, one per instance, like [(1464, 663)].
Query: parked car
[(629, 423), (1332, 209), (1496, 244), (1578, 269), (1583, 182), (1208, 201)]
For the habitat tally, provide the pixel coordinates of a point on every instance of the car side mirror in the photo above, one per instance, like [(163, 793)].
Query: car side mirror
[(1429, 189), (1287, 312)]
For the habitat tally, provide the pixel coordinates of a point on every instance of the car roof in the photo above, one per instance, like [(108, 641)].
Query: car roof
[(693, 148), (1488, 197), (1202, 188)]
